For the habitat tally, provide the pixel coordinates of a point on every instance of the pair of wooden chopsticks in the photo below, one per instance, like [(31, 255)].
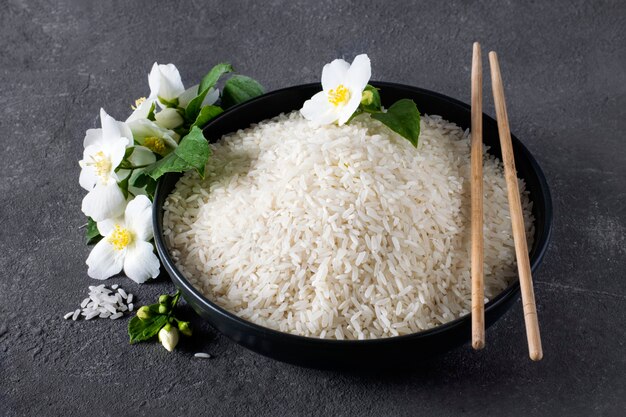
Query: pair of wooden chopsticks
[(515, 207)]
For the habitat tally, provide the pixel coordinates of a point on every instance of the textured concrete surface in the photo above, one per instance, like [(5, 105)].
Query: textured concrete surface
[(564, 69)]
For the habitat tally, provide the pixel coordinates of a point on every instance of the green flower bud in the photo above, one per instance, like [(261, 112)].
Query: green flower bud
[(165, 299), (184, 328), (168, 336), (163, 309), (367, 98), (144, 313)]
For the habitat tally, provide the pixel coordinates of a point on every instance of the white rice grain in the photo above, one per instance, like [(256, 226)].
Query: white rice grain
[(340, 232), (116, 315)]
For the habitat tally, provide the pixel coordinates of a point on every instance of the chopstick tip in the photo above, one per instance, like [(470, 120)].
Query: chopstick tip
[(478, 344), (536, 355)]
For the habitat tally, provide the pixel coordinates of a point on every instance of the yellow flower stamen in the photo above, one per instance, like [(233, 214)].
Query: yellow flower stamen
[(102, 164), (120, 237), (138, 103), (155, 144), (339, 95)]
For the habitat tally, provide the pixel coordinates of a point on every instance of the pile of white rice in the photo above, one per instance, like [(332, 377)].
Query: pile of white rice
[(340, 232)]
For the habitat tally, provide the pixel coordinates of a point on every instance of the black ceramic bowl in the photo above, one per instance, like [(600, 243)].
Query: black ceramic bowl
[(393, 351)]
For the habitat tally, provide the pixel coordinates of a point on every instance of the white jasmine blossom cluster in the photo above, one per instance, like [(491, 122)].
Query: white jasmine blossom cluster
[(122, 161)]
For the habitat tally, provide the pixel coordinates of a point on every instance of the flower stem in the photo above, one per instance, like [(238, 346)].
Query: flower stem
[(175, 299)]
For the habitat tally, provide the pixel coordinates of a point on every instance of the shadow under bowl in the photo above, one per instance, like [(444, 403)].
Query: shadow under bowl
[(398, 351)]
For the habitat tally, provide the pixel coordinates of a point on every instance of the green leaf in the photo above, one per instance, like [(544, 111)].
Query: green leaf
[(125, 164), (206, 114), (140, 179), (192, 153), (193, 108), (151, 112), (168, 103), (128, 152), (214, 75), (403, 118), (141, 330), (124, 185), (181, 131), (238, 89), (92, 234), (371, 100), (150, 189)]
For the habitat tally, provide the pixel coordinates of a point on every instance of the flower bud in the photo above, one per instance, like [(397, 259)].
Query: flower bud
[(144, 313), (163, 309), (367, 98), (165, 299), (184, 328), (168, 336), (168, 118)]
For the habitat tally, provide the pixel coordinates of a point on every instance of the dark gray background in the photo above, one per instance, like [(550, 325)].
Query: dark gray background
[(564, 67)]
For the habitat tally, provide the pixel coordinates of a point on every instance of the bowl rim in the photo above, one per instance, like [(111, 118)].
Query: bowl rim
[(503, 297)]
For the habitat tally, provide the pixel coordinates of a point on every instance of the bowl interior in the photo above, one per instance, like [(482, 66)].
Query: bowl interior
[(428, 102)]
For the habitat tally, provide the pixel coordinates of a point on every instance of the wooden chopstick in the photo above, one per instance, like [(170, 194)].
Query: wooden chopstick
[(478, 291), (517, 218)]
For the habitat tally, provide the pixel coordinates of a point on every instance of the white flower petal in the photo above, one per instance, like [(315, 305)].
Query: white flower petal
[(359, 73), (170, 84), (171, 140), (349, 109), (334, 74), (142, 111), (211, 97), (106, 226), (111, 128), (92, 150), (138, 217), (116, 148), (92, 137), (188, 95), (168, 118), (88, 176), (319, 110), (145, 128), (141, 263), (154, 80), (104, 201), (104, 261), (122, 174), (141, 156)]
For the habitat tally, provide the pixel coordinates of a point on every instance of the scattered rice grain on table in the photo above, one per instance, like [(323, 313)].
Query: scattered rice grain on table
[(340, 232), (103, 303)]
